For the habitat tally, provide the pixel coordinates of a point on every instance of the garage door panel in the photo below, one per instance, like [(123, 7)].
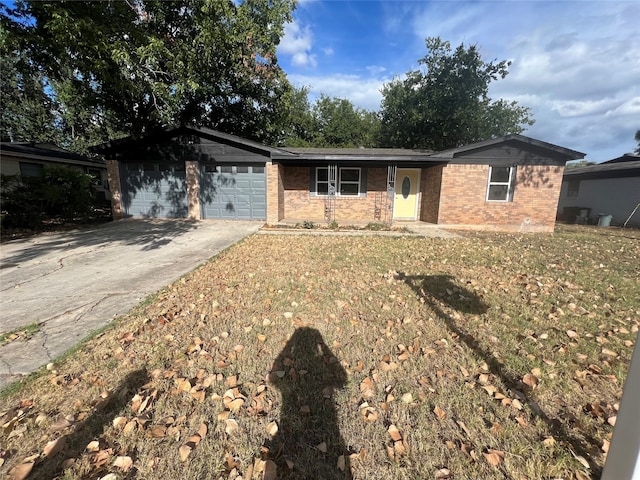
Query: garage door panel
[(147, 193), (234, 192)]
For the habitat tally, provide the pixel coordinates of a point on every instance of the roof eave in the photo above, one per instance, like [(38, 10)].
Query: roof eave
[(358, 158), (625, 168), (456, 152), (68, 161), (115, 145)]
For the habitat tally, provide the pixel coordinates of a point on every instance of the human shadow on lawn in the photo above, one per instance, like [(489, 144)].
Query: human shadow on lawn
[(90, 429), (306, 372), (440, 292)]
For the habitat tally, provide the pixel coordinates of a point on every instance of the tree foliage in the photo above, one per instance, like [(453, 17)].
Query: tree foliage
[(80, 73), (637, 137), (578, 164), (299, 130), (339, 124), (26, 111), (128, 67), (446, 104), (331, 122)]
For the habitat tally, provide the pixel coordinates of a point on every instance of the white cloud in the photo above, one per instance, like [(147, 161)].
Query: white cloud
[(376, 69), (580, 108), (362, 92), (303, 59), (297, 42), (631, 107), (328, 51), (295, 38)]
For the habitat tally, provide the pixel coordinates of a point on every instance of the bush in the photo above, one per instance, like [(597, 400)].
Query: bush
[(376, 226), (60, 192)]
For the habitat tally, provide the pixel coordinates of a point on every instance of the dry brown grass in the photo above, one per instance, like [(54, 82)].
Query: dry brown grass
[(494, 356)]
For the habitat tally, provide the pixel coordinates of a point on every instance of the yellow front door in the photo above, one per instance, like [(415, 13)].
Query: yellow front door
[(405, 205)]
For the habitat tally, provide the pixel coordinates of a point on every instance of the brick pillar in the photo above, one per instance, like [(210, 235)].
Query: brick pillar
[(275, 194), (193, 188), (113, 174)]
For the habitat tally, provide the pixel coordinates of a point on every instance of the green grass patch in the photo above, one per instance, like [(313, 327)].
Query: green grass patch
[(21, 333)]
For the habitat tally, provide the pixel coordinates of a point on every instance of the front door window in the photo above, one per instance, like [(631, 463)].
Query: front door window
[(406, 187)]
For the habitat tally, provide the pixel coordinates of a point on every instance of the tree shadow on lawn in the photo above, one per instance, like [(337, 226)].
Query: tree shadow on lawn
[(92, 428), (306, 372), (147, 234), (440, 291)]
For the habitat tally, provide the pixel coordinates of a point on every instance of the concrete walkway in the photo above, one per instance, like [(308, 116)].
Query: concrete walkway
[(73, 283)]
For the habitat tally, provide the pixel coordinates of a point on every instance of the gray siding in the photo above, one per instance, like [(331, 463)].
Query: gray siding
[(611, 196)]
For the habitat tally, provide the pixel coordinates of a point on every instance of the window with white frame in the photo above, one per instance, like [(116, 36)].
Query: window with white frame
[(501, 184), (347, 184), (349, 181), (322, 181)]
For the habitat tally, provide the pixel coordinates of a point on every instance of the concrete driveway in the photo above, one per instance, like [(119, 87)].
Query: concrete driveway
[(73, 283)]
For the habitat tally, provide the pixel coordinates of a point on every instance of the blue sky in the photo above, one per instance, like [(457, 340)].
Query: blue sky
[(575, 63)]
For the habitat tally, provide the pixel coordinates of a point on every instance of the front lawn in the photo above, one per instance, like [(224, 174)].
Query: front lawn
[(491, 356)]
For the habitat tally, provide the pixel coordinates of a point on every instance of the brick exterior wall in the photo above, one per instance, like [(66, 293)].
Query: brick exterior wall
[(281, 206), (534, 205), (430, 183), (192, 169), (113, 174), (275, 193), (299, 204)]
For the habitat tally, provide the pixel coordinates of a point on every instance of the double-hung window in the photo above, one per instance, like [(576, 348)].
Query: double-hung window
[(348, 181), (322, 181), (501, 184)]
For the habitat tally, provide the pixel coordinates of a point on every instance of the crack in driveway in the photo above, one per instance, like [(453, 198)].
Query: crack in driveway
[(60, 262), (94, 303), (45, 337), (129, 259), (7, 366)]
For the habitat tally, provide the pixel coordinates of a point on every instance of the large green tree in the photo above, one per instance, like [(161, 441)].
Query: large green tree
[(299, 128), (130, 66), (445, 103), (330, 122), (637, 137), (27, 113), (338, 123)]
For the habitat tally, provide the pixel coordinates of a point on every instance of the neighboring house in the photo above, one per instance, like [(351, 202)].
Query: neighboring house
[(511, 182), (29, 160), (608, 188)]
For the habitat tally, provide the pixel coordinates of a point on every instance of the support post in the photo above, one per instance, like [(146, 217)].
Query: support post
[(113, 175), (623, 459), (192, 169)]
